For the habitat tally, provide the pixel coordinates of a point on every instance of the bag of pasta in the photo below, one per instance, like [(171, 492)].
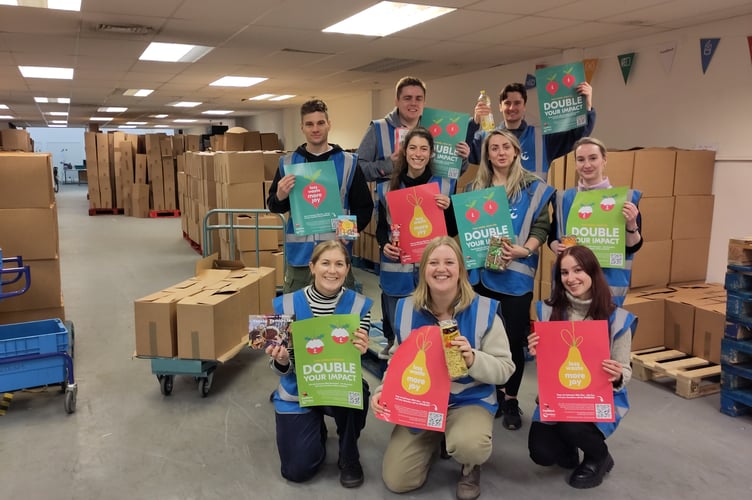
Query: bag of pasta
[(454, 360)]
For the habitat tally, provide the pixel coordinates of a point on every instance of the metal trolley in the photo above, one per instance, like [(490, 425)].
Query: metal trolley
[(34, 353), (202, 370)]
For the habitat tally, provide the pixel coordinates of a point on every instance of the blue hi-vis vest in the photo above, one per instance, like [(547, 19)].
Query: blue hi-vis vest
[(519, 276), (530, 143), (385, 136), (286, 396), (300, 248), (618, 279), (397, 279), (474, 322), (620, 322)]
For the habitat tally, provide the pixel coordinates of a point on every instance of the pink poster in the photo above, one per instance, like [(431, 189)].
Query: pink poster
[(416, 385), (572, 386), (420, 220)]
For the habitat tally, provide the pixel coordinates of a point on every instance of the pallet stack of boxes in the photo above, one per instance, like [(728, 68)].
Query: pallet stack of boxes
[(29, 229), (16, 140), (736, 348)]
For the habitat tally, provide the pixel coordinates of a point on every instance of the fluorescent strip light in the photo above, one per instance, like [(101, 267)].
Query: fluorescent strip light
[(74, 5), (136, 123), (3, 106), (57, 113), (158, 116), (282, 97), (100, 118), (61, 100), (386, 18), (46, 72), (127, 126), (57, 126), (6, 117), (111, 109), (238, 81), (161, 126), (174, 52), (59, 121), (138, 92), (184, 120), (185, 104), (217, 112), (261, 97)]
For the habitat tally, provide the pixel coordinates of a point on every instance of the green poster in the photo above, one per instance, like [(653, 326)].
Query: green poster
[(480, 215), (447, 128), (327, 364), (595, 219), (315, 202), (561, 107)]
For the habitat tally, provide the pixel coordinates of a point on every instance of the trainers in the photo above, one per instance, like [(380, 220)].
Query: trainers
[(384, 353), (468, 487), (511, 414), (350, 474)]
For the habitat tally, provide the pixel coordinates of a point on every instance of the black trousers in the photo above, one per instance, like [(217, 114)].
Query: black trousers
[(549, 443)]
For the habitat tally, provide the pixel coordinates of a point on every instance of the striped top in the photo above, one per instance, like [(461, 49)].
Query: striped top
[(322, 305)]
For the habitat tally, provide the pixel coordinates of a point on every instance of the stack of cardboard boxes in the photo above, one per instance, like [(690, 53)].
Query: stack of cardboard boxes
[(29, 229), (16, 140)]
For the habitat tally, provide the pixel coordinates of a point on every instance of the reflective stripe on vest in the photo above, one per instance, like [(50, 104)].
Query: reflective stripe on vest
[(385, 134)]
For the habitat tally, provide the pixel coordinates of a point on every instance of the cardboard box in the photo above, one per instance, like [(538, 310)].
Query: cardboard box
[(32, 315), (269, 141), (710, 321), (232, 142), (192, 143), (620, 167), (570, 172), (252, 141), (140, 200), (249, 195), (694, 172), (31, 233), (45, 290), (271, 164), (268, 239), (556, 173), (654, 172), (15, 140), (689, 260), (240, 167), (693, 217), (267, 287), (650, 312), (26, 180), (652, 264), (657, 218), (679, 324)]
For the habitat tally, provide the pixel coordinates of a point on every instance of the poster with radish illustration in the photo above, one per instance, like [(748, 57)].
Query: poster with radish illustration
[(572, 386), (327, 364), (315, 201), (481, 215), (447, 128), (595, 219), (561, 107), (415, 210), (416, 384)]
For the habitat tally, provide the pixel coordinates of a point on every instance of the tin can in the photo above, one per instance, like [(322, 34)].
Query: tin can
[(495, 256), (455, 362)]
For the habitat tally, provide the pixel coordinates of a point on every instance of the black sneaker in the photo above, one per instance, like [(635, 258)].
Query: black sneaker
[(350, 474), (511, 414)]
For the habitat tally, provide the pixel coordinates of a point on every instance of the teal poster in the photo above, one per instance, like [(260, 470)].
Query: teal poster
[(480, 215), (327, 364), (595, 219), (448, 128), (315, 202), (561, 107)]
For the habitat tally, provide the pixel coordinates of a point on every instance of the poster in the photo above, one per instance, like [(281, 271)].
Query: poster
[(314, 201), (595, 219), (572, 386), (416, 384), (420, 220), (561, 107), (480, 215), (447, 128), (327, 364)]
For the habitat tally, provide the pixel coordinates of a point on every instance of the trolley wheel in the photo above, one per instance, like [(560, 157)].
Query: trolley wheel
[(71, 337), (205, 383), (70, 401), (165, 384)]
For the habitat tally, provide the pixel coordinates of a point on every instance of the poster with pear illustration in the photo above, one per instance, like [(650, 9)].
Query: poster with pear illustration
[(315, 201), (416, 384), (327, 364), (596, 220), (415, 208), (572, 386)]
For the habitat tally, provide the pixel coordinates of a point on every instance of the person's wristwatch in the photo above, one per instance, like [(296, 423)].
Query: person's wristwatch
[(529, 252)]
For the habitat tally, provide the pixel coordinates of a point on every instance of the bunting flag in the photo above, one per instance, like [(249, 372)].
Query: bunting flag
[(707, 50), (666, 53), (749, 42), (541, 65), (626, 61), (530, 81), (590, 67)]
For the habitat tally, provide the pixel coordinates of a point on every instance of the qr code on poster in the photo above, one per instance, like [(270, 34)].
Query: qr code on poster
[(453, 172), (354, 398), (603, 412), (435, 420), (616, 259), (581, 120)]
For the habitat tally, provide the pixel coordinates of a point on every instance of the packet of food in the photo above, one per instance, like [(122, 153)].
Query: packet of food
[(568, 241), (454, 360), (495, 256), (346, 227)]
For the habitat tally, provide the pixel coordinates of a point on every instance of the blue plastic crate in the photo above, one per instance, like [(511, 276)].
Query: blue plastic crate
[(19, 375), (739, 306), (739, 278), (33, 337)]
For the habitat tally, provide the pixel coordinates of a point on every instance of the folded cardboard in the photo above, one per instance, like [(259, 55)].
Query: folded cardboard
[(689, 260), (25, 180), (654, 170), (693, 217), (657, 218), (652, 264), (679, 323), (694, 172), (31, 233)]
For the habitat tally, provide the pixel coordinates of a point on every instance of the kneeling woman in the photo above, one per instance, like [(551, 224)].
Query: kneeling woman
[(580, 292), (301, 432), (443, 292)]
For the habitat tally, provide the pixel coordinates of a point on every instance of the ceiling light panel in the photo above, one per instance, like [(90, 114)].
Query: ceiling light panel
[(185, 104), (281, 97), (46, 72), (386, 18), (112, 109), (174, 52), (217, 112), (138, 92), (238, 81), (262, 97)]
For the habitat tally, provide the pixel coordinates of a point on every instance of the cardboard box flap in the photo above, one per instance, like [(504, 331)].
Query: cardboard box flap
[(212, 262)]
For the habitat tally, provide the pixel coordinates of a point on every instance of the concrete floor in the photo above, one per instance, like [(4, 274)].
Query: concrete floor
[(127, 441)]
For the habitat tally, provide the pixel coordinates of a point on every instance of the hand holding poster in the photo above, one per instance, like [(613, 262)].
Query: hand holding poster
[(595, 219), (420, 220), (572, 385), (327, 364), (561, 107), (480, 215), (416, 384), (314, 200), (448, 128)]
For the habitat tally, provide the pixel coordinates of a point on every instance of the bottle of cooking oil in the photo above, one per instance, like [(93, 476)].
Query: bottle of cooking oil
[(486, 122)]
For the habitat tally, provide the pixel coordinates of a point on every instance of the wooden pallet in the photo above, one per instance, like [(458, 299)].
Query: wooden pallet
[(106, 211), (164, 213), (694, 377)]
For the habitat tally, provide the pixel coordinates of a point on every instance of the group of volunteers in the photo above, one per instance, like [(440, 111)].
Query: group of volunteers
[(491, 307)]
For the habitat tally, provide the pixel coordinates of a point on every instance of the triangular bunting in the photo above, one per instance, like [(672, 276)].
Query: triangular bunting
[(530, 81), (626, 61), (707, 50), (590, 66), (666, 54)]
